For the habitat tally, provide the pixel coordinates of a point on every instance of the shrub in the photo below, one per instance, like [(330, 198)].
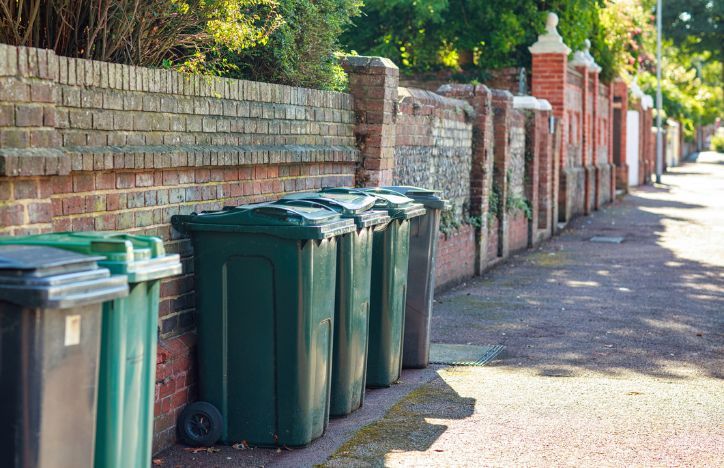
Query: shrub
[(717, 143), (301, 52), (138, 32)]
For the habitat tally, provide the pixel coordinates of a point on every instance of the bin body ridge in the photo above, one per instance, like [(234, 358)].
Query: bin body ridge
[(265, 325), (42, 389), (354, 266), (127, 379), (388, 296), (418, 314)]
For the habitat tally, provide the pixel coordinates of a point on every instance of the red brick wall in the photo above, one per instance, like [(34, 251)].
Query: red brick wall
[(433, 148), (455, 259), (518, 232), (492, 240), (481, 170), (584, 107)]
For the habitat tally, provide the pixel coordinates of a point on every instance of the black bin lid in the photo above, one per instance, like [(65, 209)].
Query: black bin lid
[(40, 276), (41, 261)]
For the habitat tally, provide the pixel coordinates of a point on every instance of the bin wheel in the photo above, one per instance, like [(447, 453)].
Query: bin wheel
[(200, 424)]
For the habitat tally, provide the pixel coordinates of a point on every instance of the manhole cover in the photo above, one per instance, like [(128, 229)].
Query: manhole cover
[(607, 239), (463, 355)]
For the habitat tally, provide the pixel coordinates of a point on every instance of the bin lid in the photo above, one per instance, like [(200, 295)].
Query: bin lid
[(429, 198), (140, 258), (47, 277), (357, 206), (397, 205), (297, 221)]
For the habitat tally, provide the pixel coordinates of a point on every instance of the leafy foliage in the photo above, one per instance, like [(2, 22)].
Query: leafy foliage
[(301, 52), (284, 41), (717, 143), (691, 87), (695, 25), (138, 32), (481, 34)]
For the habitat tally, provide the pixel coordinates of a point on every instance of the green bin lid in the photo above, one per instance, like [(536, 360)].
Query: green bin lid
[(140, 258), (46, 277), (397, 205), (357, 206), (429, 198), (297, 221)]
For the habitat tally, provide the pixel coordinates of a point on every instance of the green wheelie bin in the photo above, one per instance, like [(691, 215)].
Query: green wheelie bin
[(265, 282), (352, 302), (127, 368), (424, 231), (390, 255), (50, 323)]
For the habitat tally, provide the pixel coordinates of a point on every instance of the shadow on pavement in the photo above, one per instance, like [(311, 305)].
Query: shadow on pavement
[(651, 305), (409, 426)]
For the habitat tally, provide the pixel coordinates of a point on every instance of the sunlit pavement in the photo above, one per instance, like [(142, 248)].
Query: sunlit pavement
[(614, 351)]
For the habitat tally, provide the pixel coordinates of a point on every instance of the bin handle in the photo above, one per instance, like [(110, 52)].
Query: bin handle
[(342, 190), (280, 211), (311, 203), (385, 191)]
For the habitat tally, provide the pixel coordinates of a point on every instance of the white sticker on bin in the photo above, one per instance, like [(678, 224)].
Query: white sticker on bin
[(72, 330)]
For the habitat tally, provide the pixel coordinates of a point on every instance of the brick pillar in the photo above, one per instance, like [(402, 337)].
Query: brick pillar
[(530, 108), (612, 184), (548, 81), (28, 139), (586, 66), (547, 171), (587, 115), (28, 92), (481, 173), (596, 142), (502, 114), (373, 83), (619, 97)]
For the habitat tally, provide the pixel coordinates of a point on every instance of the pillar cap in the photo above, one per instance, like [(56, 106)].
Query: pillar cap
[(525, 103), (360, 61), (583, 58), (550, 42), (544, 105)]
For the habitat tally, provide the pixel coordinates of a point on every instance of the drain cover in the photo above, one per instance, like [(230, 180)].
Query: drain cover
[(463, 355), (607, 239)]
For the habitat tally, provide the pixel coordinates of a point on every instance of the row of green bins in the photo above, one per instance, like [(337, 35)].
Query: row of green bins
[(421, 277), (390, 255), (352, 297), (127, 370), (265, 281), (50, 323)]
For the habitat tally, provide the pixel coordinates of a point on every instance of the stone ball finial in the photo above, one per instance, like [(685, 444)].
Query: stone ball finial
[(551, 22), (550, 42)]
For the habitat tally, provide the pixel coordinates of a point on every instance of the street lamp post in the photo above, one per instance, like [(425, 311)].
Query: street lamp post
[(659, 135)]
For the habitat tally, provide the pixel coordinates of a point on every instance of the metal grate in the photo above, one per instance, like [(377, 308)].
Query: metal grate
[(607, 239), (463, 355)]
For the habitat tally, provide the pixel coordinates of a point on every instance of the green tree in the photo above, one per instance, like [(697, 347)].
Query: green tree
[(301, 52), (697, 25), (483, 34)]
